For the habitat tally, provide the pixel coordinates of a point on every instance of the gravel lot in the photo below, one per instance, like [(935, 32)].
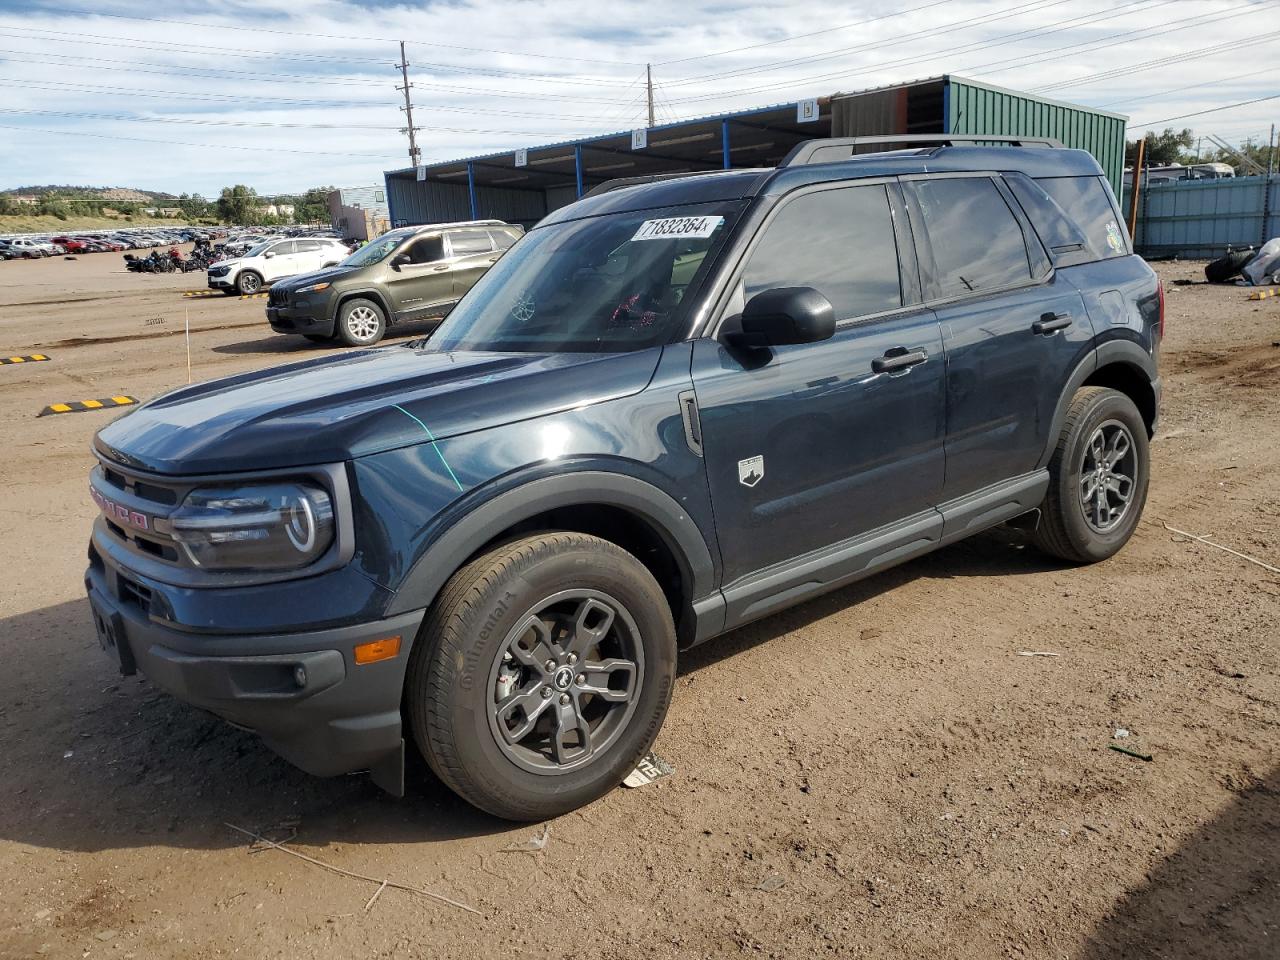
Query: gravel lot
[(876, 773)]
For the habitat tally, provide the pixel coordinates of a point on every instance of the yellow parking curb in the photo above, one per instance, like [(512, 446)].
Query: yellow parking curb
[(79, 406), (219, 293), (30, 358), (1263, 294)]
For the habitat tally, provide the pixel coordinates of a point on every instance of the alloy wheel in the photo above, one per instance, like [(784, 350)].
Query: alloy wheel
[(565, 682), (363, 323), (1107, 476)]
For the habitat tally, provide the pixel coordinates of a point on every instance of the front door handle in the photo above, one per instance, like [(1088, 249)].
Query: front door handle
[(440, 269), (898, 359), (1051, 323)]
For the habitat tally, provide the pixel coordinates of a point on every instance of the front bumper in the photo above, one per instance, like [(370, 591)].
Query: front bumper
[(225, 282), (301, 316), (302, 693)]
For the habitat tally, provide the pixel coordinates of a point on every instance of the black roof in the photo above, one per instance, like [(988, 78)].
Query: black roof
[(1037, 162)]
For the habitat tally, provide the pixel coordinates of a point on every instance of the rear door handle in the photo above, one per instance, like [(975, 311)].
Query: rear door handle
[(439, 269), (898, 359), (1051, 323)]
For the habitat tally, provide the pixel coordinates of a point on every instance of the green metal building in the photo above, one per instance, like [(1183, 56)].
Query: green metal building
[(523, 185)]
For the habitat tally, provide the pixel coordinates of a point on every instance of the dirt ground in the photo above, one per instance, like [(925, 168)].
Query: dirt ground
[(877, 773)]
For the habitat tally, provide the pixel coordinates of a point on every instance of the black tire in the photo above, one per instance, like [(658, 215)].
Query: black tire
[(1069, 528), (1228, 265), (361, 323), (478, 617), (248, 283)]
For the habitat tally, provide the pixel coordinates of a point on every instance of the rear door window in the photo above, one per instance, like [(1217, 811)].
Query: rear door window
[(1088, 202), (839, 242), (976, 240), (470, 242), (1063, 237)]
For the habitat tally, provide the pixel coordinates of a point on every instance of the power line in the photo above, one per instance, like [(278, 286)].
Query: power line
[(248, 100), (203, 146), (1201, 113), (804, 36), (205, 25), (913, 36), (104, 41), (85, 115), (1190, 86), (1038, 57)]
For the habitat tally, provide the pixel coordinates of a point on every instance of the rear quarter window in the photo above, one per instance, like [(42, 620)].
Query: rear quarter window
[(1087, 201)]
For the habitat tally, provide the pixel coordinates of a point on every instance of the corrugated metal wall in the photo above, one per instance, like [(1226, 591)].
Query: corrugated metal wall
[(434, 202), (1201, 218), (976, 109)]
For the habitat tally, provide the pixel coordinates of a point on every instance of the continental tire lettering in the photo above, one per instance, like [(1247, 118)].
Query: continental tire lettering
[(470, 662)]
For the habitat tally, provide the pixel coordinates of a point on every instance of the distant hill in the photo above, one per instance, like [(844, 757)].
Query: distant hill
[(96, 193)]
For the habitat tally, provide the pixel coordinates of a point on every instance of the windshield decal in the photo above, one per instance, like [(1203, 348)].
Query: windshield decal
[(678, 228)]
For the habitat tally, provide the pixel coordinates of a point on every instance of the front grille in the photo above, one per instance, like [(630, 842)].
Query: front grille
[(131, 494), (134, 593), (277, 298)]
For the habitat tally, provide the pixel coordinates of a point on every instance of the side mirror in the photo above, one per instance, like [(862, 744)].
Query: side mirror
[(786, 315), (269, 254), (399, 260)]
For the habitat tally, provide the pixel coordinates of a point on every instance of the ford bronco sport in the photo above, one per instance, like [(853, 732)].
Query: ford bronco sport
[(409, 274), (676, 406)]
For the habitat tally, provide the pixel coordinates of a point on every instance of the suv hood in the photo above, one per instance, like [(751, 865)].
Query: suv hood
[(338, 408), (316, 276)]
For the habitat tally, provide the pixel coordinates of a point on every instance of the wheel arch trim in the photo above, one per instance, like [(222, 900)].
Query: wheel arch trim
[(486, 521), (1111, 353)]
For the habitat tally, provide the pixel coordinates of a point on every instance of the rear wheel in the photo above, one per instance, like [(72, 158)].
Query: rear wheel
[(361, 323), (1098, 478), (542, 675)]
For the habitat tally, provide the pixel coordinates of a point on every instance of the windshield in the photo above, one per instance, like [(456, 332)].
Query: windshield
[(377, 250), (606, 284)]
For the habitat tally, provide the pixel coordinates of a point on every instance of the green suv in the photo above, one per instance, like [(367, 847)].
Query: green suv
[(408, 274)]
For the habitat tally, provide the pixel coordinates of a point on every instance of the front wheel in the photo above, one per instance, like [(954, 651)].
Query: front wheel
[(361, 323), (542, 675), (248, 283), (1098, 478)]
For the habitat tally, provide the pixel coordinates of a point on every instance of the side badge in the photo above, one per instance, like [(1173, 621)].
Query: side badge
[(750, 471)]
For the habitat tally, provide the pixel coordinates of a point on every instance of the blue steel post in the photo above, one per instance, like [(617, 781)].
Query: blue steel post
[(724, 142), (946, 105), (577, 167), (471, 190)]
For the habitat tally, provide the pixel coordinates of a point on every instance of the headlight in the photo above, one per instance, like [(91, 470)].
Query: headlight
[(313, 288), (258, 526)]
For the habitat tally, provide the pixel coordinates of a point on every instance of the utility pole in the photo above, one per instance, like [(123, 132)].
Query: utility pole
[(415, 155), (648, 82), (1271, 151)]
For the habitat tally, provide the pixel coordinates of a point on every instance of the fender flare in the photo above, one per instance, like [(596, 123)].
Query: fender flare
[(1111, 352), (369, 293), (486, 521)]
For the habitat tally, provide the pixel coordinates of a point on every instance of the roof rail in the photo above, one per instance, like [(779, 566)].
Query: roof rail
[(834, 149), (610, 185)]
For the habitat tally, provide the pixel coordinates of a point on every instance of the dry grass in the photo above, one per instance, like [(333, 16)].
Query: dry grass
[(47, 224)]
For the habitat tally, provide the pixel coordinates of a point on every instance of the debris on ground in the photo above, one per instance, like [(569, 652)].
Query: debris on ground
[(533, 844), (1120, 734), (1130, 753), (650, 768), (1037, 653)]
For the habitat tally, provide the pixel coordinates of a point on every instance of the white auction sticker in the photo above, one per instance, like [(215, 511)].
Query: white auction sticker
[(678, 228)]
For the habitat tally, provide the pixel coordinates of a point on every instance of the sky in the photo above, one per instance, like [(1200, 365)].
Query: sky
[(283, 95)]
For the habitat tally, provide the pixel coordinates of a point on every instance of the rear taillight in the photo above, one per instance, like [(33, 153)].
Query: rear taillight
[(1160, 304)]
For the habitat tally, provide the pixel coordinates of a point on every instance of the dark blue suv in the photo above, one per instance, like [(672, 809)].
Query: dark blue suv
[(673, 407)]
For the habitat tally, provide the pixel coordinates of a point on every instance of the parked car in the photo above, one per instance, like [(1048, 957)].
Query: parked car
[(273, 260), (410, 274), (29, 249), (675, 406)]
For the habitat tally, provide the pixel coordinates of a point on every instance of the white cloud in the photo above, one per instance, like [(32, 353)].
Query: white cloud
[(307, 95)]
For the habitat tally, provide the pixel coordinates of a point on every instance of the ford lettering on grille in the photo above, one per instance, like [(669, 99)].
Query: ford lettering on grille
[(118, 513)]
